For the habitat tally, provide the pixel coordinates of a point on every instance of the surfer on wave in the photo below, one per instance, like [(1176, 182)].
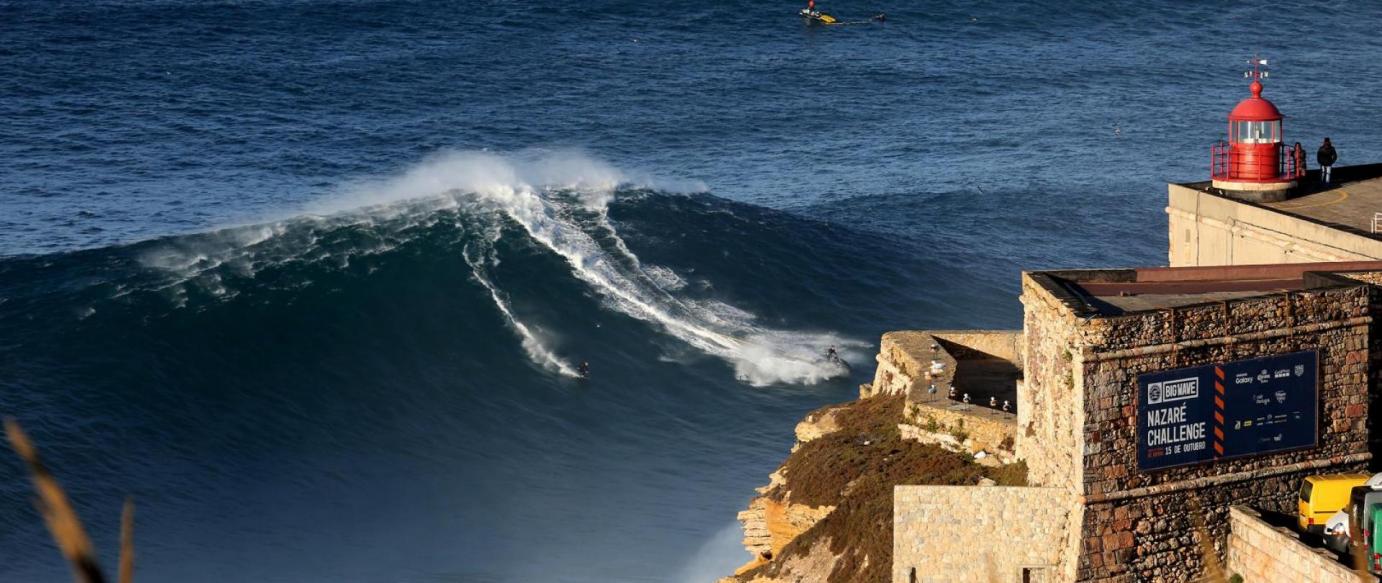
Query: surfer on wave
[(833, 357)]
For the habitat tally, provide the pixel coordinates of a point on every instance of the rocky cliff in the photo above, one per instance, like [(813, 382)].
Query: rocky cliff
[(826, 513)]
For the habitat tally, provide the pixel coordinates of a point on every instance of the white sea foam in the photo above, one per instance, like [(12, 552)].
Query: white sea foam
[(664, 278), (560, 200), (522, 187), (533, 345)]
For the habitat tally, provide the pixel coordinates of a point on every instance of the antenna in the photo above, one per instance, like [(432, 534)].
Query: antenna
[(1259, 68)]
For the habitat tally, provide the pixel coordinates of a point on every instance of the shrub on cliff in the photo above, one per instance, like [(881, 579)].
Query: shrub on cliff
[(854, 469)]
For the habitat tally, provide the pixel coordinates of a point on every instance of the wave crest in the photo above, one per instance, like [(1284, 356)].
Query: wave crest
[(559, 201)]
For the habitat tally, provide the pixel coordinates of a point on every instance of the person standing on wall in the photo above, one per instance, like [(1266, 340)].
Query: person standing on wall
[(1326, 157), (1298, 153)]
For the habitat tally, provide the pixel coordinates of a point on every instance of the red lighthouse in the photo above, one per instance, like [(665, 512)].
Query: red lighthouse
[(1254, 164)]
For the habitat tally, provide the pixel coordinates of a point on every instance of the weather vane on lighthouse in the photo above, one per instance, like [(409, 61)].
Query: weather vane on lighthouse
[(1259, 68)]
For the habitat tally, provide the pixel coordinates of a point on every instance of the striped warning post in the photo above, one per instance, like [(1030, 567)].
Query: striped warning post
[(1218, 412)]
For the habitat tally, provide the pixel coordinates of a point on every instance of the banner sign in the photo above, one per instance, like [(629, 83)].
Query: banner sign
[(1211, 412)]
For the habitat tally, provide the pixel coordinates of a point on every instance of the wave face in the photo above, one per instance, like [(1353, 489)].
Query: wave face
[(400, 363), (555, 204)]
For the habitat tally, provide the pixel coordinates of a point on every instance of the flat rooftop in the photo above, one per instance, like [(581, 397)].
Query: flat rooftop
[(1113, 292), (1349, 203), (982, 364)]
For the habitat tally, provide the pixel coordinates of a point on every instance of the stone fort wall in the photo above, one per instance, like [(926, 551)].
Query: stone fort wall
[(1206, 229), (1262, 553), (1139, 525), (943, 534), (1333, 322), (984, 429), (1144, 521), (1048, 422)]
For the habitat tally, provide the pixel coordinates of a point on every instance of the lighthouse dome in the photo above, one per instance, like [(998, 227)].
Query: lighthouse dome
[(1255, 108)]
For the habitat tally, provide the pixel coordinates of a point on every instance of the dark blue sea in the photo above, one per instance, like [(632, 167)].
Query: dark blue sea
[(311, 280)]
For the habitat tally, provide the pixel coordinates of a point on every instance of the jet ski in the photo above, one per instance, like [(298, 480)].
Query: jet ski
[(818, 17), (833, 357)]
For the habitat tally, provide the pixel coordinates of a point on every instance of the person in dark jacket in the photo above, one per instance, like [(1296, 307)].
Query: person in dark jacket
[(1326, 158), (1298, 153)]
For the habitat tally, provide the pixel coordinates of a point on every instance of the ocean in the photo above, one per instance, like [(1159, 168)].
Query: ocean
[(311, 280)]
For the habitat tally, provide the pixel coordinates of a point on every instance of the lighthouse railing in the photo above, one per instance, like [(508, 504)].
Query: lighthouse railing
[(1221, 166), (1218, 161), (1287, 159)]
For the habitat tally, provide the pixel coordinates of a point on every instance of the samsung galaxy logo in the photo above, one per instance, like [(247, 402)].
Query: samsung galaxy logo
[(1177, 390)]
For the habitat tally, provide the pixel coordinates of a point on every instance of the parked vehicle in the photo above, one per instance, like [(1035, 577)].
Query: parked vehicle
[(1361, 501), (1323, 495), (1337, 534), (1375, 565)]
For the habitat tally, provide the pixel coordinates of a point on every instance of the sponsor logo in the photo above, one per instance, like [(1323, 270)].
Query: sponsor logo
[(1176, 390)]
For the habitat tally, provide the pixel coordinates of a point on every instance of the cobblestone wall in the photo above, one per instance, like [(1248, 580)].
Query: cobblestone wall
[(1081, 398), (989, 534), (1261, 553), (1374, 353), (1333, 322), (1158, 536)]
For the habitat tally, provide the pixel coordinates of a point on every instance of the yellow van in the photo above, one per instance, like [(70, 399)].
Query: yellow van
[(1322, 496)]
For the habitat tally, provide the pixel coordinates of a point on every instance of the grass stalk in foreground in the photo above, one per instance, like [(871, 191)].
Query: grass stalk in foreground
[(63, 524)]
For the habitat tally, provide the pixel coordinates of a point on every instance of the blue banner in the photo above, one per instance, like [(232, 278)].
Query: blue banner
[(1245, 407)]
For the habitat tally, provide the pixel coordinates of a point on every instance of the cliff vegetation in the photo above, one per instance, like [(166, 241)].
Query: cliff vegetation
[(827, 514)]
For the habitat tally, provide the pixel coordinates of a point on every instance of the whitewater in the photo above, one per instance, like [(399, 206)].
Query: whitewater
[(560, 200)]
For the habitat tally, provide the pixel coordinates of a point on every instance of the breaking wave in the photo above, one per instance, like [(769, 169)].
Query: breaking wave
[(558, 202)]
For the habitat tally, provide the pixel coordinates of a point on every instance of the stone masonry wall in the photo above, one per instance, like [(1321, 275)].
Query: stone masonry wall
[(985, 429), (1138, 525), (1333, 322), (965, 344), (904, 357), (1161, 537), (1047, 432), (1374, 355), (970, 533), (1262, 553)]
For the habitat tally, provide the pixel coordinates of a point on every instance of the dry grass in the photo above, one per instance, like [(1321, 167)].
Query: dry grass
[(62, 521), (127, 542), (854, 468)]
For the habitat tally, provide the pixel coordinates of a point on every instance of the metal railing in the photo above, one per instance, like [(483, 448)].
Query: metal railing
[(1222, 167)]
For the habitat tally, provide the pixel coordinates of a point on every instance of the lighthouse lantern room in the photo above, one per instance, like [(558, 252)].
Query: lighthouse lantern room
[(1254, 164)]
